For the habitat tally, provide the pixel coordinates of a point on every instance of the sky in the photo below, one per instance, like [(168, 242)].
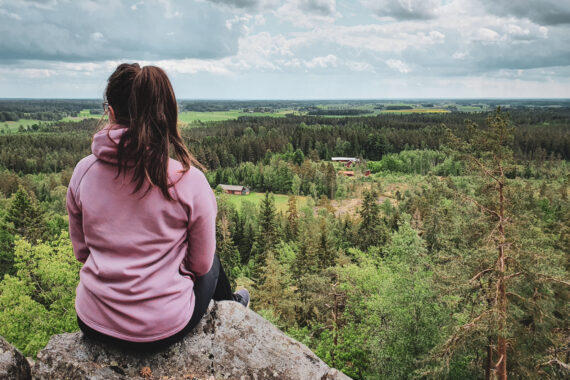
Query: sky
[(290, 49)]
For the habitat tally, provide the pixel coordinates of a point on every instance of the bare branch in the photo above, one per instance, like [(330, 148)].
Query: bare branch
[(563, 366), (481, 206), (481, 274), (513, 275), (553, 279), (499, 362), (484, 169)]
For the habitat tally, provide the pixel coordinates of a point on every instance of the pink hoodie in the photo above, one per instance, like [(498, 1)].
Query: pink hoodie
[(139, 253)]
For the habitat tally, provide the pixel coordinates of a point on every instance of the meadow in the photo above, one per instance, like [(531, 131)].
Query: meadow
[(257, 197)]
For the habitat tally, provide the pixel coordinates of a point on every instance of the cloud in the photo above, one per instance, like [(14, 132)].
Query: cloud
[(404, 9), (544, 12), (215, 47), (250, 5), (322, 62), (398, 65), (111, 30), (308, 13), (320, 7)]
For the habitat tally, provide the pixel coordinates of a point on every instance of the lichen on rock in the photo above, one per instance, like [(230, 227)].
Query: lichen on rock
[(13, 365), (231, 342)]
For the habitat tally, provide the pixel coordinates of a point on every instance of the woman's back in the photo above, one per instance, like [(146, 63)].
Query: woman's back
[(140, 250)]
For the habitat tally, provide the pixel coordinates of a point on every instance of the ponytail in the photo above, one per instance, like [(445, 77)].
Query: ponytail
[(143, 100)]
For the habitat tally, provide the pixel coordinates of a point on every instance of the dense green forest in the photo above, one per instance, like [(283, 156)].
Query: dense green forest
[(450, 260)]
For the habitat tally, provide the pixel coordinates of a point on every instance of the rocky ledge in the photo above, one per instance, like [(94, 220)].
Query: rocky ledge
[(13, 365), (231, 342)]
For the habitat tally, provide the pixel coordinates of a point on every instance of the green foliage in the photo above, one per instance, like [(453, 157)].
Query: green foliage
[(418, 162), (372, 231), (26, 216), (38, 301), (392, 318), (374, 292)]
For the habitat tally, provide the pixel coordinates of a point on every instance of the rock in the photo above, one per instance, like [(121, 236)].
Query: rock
[(231, 342), (13, 365)]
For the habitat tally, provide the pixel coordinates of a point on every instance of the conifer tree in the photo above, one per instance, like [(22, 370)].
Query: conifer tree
[(226, 249), (276, 292), (327, 252), (26, 216), (291, 228), (331, 180), (507, 273), (372, 231), (268, 230)]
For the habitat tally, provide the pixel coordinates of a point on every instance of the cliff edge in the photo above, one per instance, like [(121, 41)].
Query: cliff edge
[(231, 342)]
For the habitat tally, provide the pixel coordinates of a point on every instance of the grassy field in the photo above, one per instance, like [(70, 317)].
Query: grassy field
[(13, 126), (417, 110), (470, 109), (190, 117), (256, 198), (84, 114)]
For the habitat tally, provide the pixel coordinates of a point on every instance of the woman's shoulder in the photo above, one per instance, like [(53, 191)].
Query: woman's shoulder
[(82, 168), (193, 179)]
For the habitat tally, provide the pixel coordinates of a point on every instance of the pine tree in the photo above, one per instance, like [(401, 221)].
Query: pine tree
[(291, 228), (268, 230), (330, 180), (226, 249), (276, 292), (372, 231), (327, 252), (509, 275), (26, 216)]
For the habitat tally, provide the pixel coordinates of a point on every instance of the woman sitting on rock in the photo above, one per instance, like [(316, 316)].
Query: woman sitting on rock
[(142, 223)]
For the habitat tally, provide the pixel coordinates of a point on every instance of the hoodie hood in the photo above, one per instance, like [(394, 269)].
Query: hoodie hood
[(106, 141)]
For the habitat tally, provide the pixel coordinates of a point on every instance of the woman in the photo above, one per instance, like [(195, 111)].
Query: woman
[(143, 224)]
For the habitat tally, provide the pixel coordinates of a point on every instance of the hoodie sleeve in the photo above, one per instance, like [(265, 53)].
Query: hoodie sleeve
[(195, 191), (73, 205)]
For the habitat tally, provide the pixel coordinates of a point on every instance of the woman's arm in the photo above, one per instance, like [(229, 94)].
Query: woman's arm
[(76, 225), (201, 223), (73, 205)]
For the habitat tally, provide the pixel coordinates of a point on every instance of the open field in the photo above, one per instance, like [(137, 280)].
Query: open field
[(84, 114), (189, 117), (13, 126), (417, 110), (256, 198)]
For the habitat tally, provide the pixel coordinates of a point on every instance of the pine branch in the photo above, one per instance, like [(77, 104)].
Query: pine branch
[(484, 169), (555, 362), (513, 275), (481, 274), (553, 279), (481, 206)]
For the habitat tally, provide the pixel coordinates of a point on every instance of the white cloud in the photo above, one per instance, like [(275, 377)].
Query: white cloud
[(11, 15), (398, 65), (322, 62), (288, 41), (308, 13), (97, 36), (404, 9)]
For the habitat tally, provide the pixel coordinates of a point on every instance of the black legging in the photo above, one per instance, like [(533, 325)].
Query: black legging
[(213, 285)]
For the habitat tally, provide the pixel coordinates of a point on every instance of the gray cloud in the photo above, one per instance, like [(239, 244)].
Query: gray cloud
[(403, 9), (507, 51), (249, 5), (320, 7), (111, 30), (545, 12)]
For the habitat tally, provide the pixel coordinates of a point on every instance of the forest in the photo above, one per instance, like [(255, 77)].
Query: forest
[(443, 254)]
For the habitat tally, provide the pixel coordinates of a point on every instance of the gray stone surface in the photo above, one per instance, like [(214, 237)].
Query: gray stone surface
[(13, 365), (231, 342)]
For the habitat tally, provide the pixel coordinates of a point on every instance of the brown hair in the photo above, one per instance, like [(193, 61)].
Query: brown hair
[(144, 101)]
